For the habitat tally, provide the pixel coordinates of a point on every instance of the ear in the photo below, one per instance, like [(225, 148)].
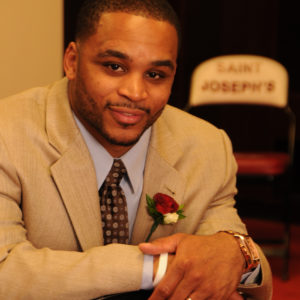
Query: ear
[(71, 60)]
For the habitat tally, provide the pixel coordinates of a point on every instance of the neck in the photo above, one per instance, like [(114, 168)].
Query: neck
[(115, 151)]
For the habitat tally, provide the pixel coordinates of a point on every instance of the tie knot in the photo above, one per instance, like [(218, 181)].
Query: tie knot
[(116, 173)]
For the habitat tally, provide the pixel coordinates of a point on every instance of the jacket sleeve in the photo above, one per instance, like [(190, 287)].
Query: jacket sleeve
[(210, 203), (222, 214), (27, 272)]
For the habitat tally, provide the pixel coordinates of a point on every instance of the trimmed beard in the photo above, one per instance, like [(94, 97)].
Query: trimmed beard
[(96, 122)]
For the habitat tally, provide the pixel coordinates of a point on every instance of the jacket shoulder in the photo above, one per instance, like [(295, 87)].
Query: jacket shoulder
[(25, 106), (185, 125), (22, 103)]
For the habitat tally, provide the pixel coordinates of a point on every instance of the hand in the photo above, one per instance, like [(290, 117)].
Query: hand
[(235, 296), (204, 267)]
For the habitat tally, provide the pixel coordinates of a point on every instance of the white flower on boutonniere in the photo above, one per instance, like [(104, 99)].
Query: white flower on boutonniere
[(164, 210), (171, 218)]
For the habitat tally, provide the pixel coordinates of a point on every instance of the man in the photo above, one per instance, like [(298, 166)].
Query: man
[(57, 145)]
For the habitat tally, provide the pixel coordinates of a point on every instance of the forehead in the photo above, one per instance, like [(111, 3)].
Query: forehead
[(135, 33)]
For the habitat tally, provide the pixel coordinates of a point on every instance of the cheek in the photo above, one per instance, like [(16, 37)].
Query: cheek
[(99, 87), (96, 82), (160, 99)]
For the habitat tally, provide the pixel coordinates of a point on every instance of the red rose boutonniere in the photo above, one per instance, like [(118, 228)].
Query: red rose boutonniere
[(164, 210)]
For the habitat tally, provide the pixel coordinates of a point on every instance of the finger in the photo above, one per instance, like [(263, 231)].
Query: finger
[(194, 285), (168, 284), (168, 244), (208, 293), (183, 291), (235, 296), (188, 285), (208, 296), (152, 249)]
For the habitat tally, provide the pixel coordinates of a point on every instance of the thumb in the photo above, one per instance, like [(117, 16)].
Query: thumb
[(167, 244)]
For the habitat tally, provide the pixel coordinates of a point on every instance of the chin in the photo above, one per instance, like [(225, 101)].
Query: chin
[(121, 141)]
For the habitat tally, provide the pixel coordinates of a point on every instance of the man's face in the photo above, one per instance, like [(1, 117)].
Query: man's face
[(121, 77)]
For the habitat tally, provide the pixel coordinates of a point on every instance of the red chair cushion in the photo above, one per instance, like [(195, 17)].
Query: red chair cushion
[(262, 163)]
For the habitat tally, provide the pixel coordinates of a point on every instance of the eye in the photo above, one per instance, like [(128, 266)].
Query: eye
[(155, 75), (114, 67)]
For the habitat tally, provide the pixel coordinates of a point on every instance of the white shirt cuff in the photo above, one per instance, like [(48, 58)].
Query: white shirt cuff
[(147, 276), (251, 277), (147, 282)]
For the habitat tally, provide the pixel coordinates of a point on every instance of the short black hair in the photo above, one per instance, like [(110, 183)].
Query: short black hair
[(91, 10)]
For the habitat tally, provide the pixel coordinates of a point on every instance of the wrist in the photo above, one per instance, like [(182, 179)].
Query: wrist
[(247, 248)]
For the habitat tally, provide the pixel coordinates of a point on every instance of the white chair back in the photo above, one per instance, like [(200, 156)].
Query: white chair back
[(238, 79)]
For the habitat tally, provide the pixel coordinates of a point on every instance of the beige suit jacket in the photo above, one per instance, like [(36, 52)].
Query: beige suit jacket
[(50, 229)]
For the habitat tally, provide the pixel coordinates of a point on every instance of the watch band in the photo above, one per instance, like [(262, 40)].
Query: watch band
[(248, 249)]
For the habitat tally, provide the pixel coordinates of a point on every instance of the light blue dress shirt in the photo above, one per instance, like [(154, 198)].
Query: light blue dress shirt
[(132, 184)]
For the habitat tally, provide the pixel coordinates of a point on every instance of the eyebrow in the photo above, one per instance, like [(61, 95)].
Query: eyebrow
[(121, 55), (163, 63), (113, 53)]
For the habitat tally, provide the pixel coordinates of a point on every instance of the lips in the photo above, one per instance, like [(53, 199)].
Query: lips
[(126, 116)]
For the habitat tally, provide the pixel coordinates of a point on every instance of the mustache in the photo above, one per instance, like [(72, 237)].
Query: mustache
[(128, 105)]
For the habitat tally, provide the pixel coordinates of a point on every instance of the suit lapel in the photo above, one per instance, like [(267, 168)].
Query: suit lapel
[(74, 172), (160, 177), (78, 188)]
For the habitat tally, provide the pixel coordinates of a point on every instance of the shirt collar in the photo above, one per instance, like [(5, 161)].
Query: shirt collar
[(134, 160)]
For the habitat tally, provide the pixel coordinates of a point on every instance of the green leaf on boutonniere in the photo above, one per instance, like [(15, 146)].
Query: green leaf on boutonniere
[(164, 210)]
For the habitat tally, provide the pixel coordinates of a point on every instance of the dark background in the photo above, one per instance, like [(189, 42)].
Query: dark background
[(210, 28)]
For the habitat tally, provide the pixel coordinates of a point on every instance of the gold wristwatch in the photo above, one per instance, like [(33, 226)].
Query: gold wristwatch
[(248, 249)]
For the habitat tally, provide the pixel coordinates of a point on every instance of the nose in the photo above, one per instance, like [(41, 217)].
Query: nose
[(133, 88)]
